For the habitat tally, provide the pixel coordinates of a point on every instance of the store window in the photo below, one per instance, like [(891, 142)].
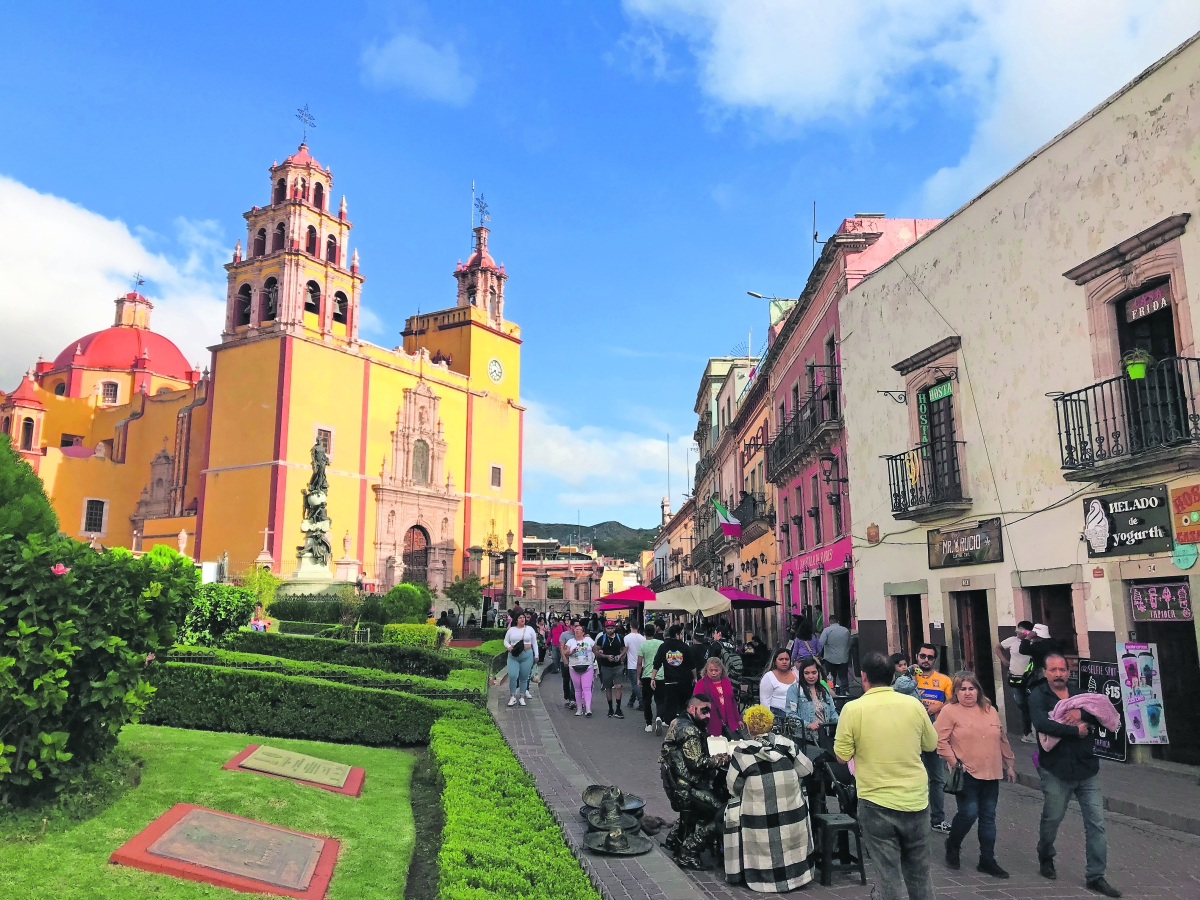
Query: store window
[(814, 490)]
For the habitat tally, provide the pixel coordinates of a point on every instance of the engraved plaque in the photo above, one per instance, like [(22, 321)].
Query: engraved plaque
[(297, 765), (237, 847)]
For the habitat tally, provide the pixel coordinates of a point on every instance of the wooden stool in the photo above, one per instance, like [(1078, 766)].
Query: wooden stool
[(837, 827)]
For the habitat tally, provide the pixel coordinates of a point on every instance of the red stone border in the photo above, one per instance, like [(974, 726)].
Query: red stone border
[(134, 853), (352, 788)]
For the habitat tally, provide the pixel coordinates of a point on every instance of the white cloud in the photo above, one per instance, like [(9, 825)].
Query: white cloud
[(427, 72), (64, 265), (1029, 67)]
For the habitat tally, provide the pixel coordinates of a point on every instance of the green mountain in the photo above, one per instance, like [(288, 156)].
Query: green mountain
[(608, 538)]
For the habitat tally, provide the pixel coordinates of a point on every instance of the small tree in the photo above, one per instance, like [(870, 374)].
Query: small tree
[(466, 594), (406, 604), (219, 611), (24, 507), (262, 582)]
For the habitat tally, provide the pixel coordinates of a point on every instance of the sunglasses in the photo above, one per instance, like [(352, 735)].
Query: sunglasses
[(926, 656), (705, 710)]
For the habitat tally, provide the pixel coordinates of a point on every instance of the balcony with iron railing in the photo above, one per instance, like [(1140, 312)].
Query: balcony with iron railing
[(756, 515), (926, 482), (1127, 429), (809, 431)]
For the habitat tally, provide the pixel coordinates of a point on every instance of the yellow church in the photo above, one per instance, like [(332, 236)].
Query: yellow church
[(136, 447)]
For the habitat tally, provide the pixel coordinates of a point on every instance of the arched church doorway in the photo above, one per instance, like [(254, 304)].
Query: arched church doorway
[(416, 554)]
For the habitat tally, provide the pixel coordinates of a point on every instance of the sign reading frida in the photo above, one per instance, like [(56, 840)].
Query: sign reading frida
[(1134, 521)]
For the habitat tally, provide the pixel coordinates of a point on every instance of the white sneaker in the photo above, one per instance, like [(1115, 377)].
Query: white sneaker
[(658, 724), (528, 695), (512, 701), (1029, 739), (521, 700), (649, 728), (578, 712)]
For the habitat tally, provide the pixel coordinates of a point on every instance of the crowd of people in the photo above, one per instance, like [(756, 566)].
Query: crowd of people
[(914, 734)]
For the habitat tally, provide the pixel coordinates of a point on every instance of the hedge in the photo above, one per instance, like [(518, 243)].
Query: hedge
[(423, 636), (286, 627), (297, 610), (385, 657), (215, 698), (499, 839)]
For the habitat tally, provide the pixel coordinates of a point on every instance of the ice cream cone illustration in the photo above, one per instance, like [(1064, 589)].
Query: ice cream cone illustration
[(1095, 527)]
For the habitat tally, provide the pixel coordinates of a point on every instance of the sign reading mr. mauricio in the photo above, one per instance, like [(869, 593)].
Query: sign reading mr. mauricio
[(1128, 523)]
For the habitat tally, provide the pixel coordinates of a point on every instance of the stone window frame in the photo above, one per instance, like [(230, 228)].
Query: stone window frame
[(1118, 273), (494, 468), (116, 390), (331, 431), (83, 529)]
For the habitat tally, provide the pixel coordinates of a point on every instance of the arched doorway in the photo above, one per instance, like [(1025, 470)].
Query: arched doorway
[(416, 554)]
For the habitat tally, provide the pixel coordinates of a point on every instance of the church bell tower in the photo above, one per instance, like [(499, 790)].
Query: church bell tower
[(296, 275)]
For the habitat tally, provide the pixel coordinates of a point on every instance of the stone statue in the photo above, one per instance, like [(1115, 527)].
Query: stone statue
[(182, 540), (346, 544), (316, 522)]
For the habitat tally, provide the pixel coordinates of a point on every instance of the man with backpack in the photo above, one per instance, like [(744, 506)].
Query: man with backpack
[(723, 650), (610, 653)]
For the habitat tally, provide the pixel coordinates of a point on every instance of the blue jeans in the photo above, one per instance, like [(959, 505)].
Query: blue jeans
[(935, 767), (976, 801), (1056, 794), (899, 845), (519, 669), (635, 685)]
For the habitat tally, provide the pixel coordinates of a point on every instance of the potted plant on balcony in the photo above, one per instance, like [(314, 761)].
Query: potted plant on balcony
[(1135, 362)]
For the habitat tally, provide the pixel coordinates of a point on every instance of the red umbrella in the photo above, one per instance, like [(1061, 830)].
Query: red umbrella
[(630, 596), (741, 600)]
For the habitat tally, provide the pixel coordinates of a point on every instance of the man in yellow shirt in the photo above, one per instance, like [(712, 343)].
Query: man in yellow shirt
[(934, 690), (885, 733)]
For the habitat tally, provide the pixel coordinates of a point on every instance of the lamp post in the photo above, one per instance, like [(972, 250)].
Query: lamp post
[(510, 561)]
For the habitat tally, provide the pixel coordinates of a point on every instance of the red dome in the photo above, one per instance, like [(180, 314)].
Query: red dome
[(302, 158), (120, 347)]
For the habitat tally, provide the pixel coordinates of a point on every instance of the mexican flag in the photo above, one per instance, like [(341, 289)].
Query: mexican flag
[(729, 525)]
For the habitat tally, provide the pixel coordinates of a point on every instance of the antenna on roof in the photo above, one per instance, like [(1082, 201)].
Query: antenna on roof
[(472, 215), (307, 120)]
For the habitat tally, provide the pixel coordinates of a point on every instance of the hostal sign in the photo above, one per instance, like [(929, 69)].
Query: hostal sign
[(1136, 521), (970, 546)]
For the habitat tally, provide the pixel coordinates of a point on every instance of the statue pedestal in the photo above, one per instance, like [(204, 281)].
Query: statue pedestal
[(310, 577), (346, 569)]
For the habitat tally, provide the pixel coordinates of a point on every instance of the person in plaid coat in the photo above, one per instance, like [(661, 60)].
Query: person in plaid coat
[(767, 838)]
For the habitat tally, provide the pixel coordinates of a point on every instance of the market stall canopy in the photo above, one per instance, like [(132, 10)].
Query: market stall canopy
[(691, 599), (610, 607), (742, 600), (630, 596)]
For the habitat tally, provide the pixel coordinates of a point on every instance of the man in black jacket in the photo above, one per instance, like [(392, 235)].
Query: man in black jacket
[(673, 661), (1069, 769)]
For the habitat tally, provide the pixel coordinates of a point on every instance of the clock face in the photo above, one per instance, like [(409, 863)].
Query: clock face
[(495, 370)]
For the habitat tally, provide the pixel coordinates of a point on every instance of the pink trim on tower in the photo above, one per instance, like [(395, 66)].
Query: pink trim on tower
[(467, 476), (277, 505), (211, 400), (362, 461)]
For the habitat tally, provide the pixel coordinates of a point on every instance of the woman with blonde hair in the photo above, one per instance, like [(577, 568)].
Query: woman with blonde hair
[(767, 838), (715, 684), (970, 732)]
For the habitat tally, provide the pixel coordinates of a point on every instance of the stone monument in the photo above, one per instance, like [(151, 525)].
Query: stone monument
[(312, 575), (346, 567)]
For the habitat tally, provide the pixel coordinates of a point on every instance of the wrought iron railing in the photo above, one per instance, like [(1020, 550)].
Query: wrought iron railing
[(818, 411), (754, 508), (703, 466), (1123, 417), (926, 475), (699, 555)]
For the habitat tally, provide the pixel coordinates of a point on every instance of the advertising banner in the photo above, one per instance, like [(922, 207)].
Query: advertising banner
[(1185, 509), (1163, 602), (971, 546), (1141, 693), (1097, 676), (1134, 521)]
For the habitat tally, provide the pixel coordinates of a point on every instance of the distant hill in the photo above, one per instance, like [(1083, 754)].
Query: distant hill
[(608, 538)]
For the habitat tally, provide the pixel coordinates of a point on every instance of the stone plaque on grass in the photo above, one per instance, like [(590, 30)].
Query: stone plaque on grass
[(297, 765)]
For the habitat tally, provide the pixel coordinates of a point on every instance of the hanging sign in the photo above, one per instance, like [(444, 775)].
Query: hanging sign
[(1098, 676), (1185, 513), (1141, 693), (1135, 521), (1161, 602), (1150, 302), (981, 543)]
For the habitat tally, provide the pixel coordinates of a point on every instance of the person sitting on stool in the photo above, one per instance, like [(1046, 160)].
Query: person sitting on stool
[(688, 774)]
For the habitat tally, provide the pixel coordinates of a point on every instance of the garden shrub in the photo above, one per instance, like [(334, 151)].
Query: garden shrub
[(303, 609), (218, 611), (444, 636), (215, 698), (302, 627), (406, 604), (78, 627), (385, 657), (24, 508), (423, 636), (499, 839), (492, 634)]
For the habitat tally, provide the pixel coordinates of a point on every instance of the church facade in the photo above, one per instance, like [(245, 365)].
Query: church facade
[(424, 440)]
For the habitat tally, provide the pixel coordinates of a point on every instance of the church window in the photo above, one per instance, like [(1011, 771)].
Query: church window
[(268, 300), (241, 314), (27, 434), (69, 440), (277, 238), (260, 242), (319, 195), (325, 439), (312, 298), (108, 392), (497, 476), (280, 191), (331, 254), (311, 244), (158, 488), (60, 389), (341, 307), (420, 462), (391, 523), (93, 516), (8, 424), (303, 189)]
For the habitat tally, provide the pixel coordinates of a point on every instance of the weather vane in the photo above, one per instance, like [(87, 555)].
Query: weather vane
[(307, 120), (137, 281), (482, 208)]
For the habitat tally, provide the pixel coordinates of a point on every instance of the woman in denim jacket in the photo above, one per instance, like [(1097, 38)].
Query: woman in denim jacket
[(809, 701)]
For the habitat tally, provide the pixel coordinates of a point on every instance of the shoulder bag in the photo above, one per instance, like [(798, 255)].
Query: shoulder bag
[(954, 779)]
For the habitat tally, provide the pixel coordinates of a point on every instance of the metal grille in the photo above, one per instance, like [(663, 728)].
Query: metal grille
[(93, 517), (925, 475)]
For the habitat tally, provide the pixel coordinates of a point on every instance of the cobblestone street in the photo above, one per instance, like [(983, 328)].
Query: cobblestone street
[(565, 753)]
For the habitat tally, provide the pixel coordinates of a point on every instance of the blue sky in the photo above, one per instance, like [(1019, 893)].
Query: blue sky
[(646, 163)]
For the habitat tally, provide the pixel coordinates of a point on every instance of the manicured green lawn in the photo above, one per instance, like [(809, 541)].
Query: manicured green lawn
[(70, 862)]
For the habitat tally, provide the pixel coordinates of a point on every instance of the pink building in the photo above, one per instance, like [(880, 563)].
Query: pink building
[(806, 456)]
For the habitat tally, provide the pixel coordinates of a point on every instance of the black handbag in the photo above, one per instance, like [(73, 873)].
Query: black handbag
[(518, 648), (954, 780)]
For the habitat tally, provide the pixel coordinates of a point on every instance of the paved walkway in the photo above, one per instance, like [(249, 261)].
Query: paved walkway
[(565, 753)]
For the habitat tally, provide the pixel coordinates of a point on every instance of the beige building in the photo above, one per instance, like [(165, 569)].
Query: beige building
[(1030, 473)]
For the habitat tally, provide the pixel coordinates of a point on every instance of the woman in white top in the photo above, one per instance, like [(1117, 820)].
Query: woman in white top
[(521, 642), (773, 688), (581, 656)]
